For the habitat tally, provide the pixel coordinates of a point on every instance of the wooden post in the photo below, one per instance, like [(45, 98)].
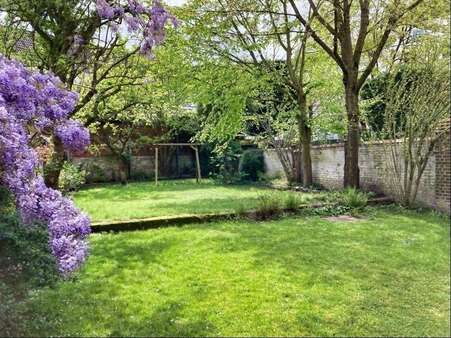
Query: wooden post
[(156, 165), (198, 176)]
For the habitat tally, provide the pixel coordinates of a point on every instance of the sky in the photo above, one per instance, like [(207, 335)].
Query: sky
[(175, 2)]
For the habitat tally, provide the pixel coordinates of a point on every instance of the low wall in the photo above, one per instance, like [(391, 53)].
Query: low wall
[(328, 168)]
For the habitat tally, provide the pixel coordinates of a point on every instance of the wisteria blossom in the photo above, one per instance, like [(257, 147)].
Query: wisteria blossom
[(148, 22), (32, 103)]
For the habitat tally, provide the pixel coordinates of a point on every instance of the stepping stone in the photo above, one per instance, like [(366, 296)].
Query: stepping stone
[(342, 218)]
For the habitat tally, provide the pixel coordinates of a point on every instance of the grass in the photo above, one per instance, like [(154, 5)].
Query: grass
[(169, 198), (387, 274)]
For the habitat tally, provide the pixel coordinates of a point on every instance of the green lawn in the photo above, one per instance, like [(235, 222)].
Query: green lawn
[(387, 274), (181, 197)]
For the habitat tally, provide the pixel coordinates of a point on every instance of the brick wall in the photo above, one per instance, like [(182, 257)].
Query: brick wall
[(273, 167), (443, 172), (328, 166)]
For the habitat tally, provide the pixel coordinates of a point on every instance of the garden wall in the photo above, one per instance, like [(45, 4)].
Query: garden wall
[(105, 168), (328, 165)]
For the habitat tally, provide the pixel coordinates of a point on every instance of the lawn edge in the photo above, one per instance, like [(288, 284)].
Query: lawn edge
[(181, 220)]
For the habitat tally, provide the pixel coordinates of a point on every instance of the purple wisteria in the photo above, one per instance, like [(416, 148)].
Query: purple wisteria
[(33, 104), (148, 22)]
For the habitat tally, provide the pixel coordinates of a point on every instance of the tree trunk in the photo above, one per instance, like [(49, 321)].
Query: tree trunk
[(305, 138), (53, 168), (351, 169), (123, 170)]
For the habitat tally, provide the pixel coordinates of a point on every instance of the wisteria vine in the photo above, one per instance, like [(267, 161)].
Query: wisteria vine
[(148, 22), (34, 105)]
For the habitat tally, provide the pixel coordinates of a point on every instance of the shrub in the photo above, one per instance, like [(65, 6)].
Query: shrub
[(5, 197), (28, 247), (226, 163), (354, 199), (252, 164), (292, 201), (327, 210), (268, 206), (71, 177)]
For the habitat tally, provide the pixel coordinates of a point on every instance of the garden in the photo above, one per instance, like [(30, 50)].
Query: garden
[(224, 168), (138, 200)]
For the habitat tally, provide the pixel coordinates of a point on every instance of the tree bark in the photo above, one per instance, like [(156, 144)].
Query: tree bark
[(123, 169), (53, 169), (306, 159), (351, 169), (305, 138)]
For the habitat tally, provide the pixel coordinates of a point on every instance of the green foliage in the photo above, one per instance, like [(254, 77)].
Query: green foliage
[(10, 316), (292, 201), (24, 256), (252, 164), (421, 95), (28, 246), (5, 198), (327, 210), (268, 206), (354, 199), (71, 178), (225, 161)]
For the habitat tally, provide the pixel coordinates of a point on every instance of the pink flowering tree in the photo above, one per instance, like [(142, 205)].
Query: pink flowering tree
[(32, 106)]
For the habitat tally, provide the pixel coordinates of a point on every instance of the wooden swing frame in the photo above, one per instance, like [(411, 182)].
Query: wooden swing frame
[(194, 146)]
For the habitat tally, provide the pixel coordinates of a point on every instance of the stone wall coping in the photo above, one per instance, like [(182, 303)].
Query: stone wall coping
[(367, 143)]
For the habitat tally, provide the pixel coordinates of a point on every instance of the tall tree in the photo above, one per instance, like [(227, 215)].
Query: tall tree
[(345, 29), (263, 38)]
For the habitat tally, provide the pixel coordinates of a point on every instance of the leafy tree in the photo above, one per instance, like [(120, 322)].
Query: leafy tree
[(344, 30), (243, 32)]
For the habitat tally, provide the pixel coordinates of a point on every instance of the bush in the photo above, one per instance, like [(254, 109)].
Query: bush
[(268, 206), (252, 164), (327, 210), (25, 264), (226, 163), (28, 248), (71, 177), (354, 198), (292, 201), (5, 197)]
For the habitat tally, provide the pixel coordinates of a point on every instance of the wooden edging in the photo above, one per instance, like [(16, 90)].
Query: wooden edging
[(162, 222)]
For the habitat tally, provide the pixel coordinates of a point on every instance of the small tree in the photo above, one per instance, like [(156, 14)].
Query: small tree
[(281, 136), (416, 112)]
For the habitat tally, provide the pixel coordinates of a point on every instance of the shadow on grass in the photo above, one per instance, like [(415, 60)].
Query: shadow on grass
[(381, 276), (102, 301)]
